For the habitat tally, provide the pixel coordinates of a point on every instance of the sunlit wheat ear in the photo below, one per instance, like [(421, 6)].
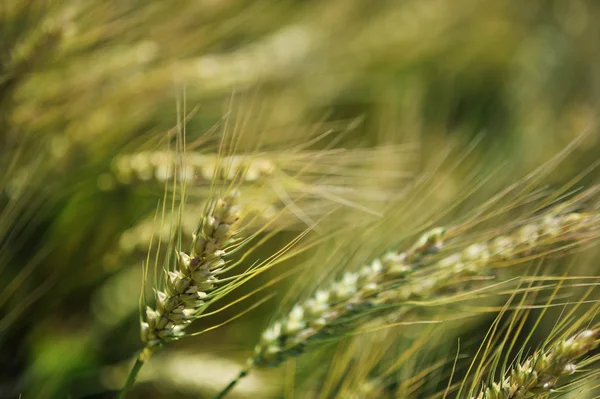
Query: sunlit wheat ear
[(195, 276), (540, 373), (189, 284), (412, 275), (288, 336), (201, 168)]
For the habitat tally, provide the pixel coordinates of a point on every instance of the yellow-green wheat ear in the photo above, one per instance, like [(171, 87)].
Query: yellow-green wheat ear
[(196, 274), (540, 373), (307, 321), (183, 299), (400, 276), (386, 286)]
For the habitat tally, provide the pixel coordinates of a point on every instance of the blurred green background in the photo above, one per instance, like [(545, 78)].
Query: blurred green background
[(85, 82)]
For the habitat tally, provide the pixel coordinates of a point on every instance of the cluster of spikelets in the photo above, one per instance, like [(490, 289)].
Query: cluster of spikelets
[(383, 365), (397, 277), (199, 168), (539, 374), (196, 276), (288, 336)]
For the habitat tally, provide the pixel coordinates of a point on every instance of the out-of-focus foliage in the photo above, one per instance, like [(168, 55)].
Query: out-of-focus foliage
[(488, 90)]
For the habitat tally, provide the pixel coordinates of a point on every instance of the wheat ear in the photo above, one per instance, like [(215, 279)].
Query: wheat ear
[(197, 274), (538, 374), (199, 168), (380, 287), (269, 352), (189, 285), (398, 277)]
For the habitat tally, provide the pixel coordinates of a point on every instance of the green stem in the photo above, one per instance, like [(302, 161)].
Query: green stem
[(137, 366), (234, 382)]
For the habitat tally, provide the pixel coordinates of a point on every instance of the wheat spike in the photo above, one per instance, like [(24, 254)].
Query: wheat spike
[(401, 276), (199, 168), (540, 373), (197, 274)]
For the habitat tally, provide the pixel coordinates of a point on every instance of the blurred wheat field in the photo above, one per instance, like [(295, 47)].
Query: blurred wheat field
[(343, 199)]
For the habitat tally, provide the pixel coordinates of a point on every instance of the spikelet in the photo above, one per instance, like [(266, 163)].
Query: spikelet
[(195, 277), (540, 373), (402, 276)]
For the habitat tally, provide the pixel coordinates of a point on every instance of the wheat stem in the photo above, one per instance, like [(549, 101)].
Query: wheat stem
[(135, 370), (234, 382)]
